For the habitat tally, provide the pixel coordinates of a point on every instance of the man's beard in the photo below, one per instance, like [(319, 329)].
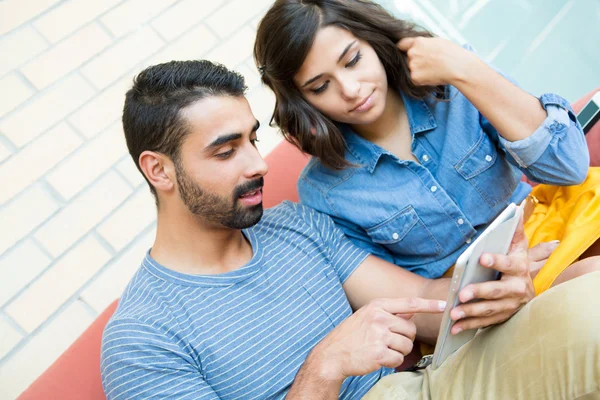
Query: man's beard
[(216, 209)]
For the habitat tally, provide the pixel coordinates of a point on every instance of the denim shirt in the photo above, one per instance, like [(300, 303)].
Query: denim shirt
[(421, 216)]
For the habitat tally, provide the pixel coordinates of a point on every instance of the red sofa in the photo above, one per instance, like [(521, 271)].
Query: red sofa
[(76, 373)]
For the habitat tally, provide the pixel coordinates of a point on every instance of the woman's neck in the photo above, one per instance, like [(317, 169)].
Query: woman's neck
[(389, 123)]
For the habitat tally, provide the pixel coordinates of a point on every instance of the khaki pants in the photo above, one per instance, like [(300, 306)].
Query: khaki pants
[(548, 350)]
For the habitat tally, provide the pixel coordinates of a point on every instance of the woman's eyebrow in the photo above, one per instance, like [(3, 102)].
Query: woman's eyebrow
[(346, 51), (311, 80)]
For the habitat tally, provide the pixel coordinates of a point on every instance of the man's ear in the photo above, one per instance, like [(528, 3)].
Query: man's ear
[(159, 170)]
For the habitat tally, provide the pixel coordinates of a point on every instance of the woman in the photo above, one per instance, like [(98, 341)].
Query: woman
[(418, 145)]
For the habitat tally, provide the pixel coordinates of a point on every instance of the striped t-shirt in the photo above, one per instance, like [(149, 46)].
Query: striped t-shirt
[(239, 335)]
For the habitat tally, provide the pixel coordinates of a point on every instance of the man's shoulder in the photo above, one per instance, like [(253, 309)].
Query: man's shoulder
[(290, 215)]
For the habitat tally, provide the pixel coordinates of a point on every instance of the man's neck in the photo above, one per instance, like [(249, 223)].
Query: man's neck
[(186, 244)]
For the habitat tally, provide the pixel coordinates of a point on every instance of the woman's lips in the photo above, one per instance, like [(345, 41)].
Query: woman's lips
[(365, 105)]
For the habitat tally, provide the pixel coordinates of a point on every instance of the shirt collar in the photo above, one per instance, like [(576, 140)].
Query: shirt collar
[(420, 119)]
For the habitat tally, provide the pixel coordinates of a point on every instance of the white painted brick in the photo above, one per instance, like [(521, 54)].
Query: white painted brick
[(102, 110), (20, 46), (256, 20), (121, 57), (14, 92), (133, 13), (19, 267), (13, 12), (36, 356), (23, 214), (130, 172), (182, 16), (262, 103), (36, 159), (235, 49), (10, 337), (66, 56), (82, 214), (109, 285), (129, 220), (191, 46), (232, 16), (250, 75), (39, 115), (44, 297), (4, 152), (70, 16), (86, 165)]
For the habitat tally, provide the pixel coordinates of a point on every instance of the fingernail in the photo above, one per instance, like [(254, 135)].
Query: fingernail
[(488, 260), (442, 305), (555, 242), (468, 295), (459, 330)]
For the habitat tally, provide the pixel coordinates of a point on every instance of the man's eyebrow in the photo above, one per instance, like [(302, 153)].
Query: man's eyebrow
[(311, 80), (221, 140)]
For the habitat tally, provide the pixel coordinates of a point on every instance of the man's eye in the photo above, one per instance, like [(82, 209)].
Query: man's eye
[(321, 88), (225, 154), (355, 60)]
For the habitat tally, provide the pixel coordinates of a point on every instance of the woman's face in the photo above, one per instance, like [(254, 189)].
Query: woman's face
[(343, 78)]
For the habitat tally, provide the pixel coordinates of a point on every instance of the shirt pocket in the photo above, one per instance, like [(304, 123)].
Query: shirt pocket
[(487, 171), (405, 235)]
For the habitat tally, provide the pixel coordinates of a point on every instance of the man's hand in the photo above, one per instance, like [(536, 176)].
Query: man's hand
[(539, 254), (377, 335), (436, 61), (499, 300)]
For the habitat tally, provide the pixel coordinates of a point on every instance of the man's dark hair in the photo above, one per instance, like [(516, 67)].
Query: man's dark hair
[(283, 40), (152, 117)]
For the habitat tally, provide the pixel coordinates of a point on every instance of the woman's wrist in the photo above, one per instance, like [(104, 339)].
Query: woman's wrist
[(467, 70)]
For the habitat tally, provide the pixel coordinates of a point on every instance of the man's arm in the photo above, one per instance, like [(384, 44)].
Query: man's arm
[(376, 278), (138, 363), (499, 300), (373, 337)]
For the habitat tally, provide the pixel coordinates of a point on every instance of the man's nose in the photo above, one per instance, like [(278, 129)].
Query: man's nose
[(257, 166)]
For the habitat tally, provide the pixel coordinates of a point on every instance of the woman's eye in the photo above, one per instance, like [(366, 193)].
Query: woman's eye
[(355, 60), (225, 154), (254, 141), (321, 88)]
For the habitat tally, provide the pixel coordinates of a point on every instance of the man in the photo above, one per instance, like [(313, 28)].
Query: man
[(230, 303)]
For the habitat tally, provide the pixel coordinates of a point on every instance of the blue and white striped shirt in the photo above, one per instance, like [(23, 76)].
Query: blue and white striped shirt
[(239, 335)]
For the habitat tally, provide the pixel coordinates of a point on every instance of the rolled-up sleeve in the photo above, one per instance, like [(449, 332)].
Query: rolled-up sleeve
[(556, 153)]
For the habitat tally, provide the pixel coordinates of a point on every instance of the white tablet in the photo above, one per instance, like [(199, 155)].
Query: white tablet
[(496, 238)]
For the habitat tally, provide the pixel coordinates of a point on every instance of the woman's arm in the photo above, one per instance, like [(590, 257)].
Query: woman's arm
[(541, 135)]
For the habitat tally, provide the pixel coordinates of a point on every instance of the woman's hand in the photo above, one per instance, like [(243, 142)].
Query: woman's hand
[(436, 61), (498, 300)]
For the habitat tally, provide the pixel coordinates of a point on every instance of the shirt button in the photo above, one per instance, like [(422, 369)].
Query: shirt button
[(395, 236), (425, 158), (460, 221), (433, 188), (468, 241), (488, 158)]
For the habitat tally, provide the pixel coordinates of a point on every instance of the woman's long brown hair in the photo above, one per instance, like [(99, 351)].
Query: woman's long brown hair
[(284, 38)]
